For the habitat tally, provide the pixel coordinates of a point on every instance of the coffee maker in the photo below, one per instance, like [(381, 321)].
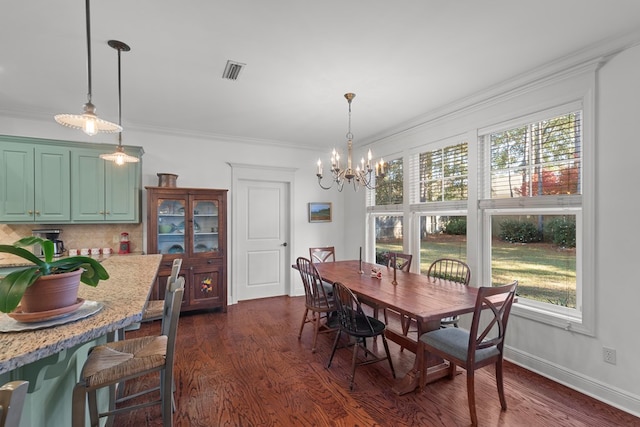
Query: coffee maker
[(52, 234)]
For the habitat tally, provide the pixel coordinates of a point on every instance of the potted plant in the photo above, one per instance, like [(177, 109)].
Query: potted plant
[(37, 279)]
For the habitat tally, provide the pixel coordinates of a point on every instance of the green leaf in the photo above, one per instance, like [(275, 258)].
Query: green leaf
[(13, 286)]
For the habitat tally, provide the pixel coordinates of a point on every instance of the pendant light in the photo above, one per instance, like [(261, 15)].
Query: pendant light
[(119, 157), (88, 121)]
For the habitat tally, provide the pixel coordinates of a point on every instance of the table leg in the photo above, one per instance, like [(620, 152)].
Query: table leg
[(436, 368)]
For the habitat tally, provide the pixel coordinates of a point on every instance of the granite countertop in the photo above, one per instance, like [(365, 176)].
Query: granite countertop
[(11, 261), (124, 296)]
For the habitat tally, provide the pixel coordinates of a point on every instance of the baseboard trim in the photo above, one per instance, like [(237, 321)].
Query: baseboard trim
[(606, 393)]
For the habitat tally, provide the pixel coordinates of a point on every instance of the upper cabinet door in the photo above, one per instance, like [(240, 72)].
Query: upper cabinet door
[(52, 177), (17, 182), (122, 194), (103, 191), (35, 183), (206, 226), (87, 186)]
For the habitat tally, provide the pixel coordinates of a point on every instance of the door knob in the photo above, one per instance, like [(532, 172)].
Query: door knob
[(284, 244)]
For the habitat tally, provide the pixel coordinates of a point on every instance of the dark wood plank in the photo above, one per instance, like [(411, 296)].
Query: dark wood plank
[(247, 367)]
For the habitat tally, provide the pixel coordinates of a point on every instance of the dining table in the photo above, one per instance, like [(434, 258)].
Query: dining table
[(424, 299)]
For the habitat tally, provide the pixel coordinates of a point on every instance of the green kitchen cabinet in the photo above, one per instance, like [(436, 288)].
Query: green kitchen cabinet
[(102, 191), (34, 183)]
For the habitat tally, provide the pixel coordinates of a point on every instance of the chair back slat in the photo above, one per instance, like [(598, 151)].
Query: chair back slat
[(402, 261), (322, 254), (496, 303), (315, 294), (450, 269), (175, 270), (350, 314)]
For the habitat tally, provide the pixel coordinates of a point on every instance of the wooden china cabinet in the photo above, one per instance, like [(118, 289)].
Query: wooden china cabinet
[(190, 223)]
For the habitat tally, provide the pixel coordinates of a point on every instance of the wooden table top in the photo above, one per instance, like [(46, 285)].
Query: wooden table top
[(421, 297)]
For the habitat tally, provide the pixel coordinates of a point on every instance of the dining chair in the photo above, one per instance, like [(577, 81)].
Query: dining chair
[(481, 346), (403, 263), (155, 308), (118, 361), (455, 271), (322, 254), (319, 304), (355, 323), (12, 397)]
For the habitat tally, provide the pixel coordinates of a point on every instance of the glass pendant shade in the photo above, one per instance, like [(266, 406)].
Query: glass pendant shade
[(88, 122)]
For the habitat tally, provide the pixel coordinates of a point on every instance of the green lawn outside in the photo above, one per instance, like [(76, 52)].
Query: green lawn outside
[(544, 272)]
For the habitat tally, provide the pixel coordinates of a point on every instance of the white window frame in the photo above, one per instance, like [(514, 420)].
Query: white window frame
[(581, 319)]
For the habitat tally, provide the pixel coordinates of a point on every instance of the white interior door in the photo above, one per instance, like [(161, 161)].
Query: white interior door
[(262, 234)]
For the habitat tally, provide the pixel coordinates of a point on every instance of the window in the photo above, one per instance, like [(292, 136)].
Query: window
[(389, 234), (443, 174), (439, 182), (532, 207), (442, 236), (384, 205), (389, 190)]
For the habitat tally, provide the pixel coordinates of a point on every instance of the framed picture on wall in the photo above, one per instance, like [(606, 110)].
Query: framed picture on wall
[(320, 212)]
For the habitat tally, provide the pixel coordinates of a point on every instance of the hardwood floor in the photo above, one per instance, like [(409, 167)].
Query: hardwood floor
[(248, 368)]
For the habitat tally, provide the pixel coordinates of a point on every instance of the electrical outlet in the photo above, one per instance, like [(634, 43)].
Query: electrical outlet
[(609, 355)]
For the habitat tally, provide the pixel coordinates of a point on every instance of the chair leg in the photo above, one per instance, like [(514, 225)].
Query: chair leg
[(93, 407), (316, 328), (353, 363), (166, 382), (499, 381), (78, 406), (304, 320), (471, 396), (335, 346)]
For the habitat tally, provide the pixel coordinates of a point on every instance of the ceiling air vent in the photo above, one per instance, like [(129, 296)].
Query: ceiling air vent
[(232, 70)]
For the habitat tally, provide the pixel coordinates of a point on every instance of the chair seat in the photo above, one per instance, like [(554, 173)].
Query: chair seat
[(455, 341), (362, 327), (114, 361)]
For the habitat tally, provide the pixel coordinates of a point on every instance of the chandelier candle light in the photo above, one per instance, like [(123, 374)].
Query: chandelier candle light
[(362, 176)]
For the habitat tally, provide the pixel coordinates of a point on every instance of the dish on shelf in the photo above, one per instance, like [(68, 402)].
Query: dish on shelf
[(166, 228), (41, 316), (201, 248), (176, 249)]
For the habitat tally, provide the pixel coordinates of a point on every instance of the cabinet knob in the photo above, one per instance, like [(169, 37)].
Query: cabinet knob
[(30, 212), (108, 213), (37, 212)]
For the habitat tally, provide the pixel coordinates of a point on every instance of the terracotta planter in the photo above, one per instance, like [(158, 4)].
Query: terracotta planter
[(51, 292)]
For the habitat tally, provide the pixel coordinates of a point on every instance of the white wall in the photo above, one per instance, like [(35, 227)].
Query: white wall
[(569, 357)]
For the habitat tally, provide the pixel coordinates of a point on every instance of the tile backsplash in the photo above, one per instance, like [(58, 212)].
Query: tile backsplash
[(77, 236)]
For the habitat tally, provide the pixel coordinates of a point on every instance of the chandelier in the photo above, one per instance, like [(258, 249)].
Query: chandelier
[(362, 176), (119, 157), (88, 121)]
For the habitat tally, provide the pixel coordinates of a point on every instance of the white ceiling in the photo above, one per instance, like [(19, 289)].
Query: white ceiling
[(402, 58)]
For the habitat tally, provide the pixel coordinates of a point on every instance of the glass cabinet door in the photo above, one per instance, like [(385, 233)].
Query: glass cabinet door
[(205, 226), (171, 226)]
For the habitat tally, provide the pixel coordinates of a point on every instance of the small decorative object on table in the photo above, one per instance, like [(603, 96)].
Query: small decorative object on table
[(375, 272)]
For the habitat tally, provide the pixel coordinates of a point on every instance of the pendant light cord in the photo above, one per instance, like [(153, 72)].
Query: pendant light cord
[(88, 51)]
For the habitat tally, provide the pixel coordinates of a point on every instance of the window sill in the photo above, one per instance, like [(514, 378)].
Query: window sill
[(559, 317)]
